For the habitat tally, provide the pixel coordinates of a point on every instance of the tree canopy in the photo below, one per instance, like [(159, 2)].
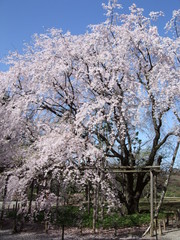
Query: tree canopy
[(102, 98)]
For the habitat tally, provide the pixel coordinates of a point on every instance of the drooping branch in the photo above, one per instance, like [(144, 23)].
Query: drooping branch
[(167, 180)]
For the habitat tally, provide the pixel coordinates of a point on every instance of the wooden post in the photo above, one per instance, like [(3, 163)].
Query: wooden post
[(46, 226), (160, 229), (151, 204), (95, 209), (88, 197), (164, 225), (155, 190), (155, 202)]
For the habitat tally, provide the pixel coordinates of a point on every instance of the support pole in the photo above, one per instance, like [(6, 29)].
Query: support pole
[(151, 204)]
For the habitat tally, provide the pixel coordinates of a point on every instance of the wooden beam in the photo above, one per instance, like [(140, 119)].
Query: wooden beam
[(126, 169)]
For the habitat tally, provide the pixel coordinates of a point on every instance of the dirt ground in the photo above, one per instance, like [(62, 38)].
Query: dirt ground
[(36, 232), (88, 235), (73, 234), (7, 235)]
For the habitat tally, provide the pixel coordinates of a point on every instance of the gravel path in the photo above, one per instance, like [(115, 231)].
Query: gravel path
[(173, 234)]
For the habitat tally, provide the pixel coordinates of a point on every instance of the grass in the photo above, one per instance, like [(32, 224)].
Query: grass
[(174, 186), (169, 204)]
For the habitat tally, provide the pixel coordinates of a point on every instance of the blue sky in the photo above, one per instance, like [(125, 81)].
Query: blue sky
[(20, 19)]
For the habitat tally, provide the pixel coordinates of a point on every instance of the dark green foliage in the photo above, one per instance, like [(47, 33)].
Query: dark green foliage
[(87, 219), (39, 216), (73, 216), (11, 213), (117, 221), (68, 216)]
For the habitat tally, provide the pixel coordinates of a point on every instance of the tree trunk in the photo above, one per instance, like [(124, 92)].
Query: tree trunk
[(57, 202), (57, 207), (134, 191), (95, 209), (4, 196), (132, 204), (62, 235), (31, 196), (15, 230)]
